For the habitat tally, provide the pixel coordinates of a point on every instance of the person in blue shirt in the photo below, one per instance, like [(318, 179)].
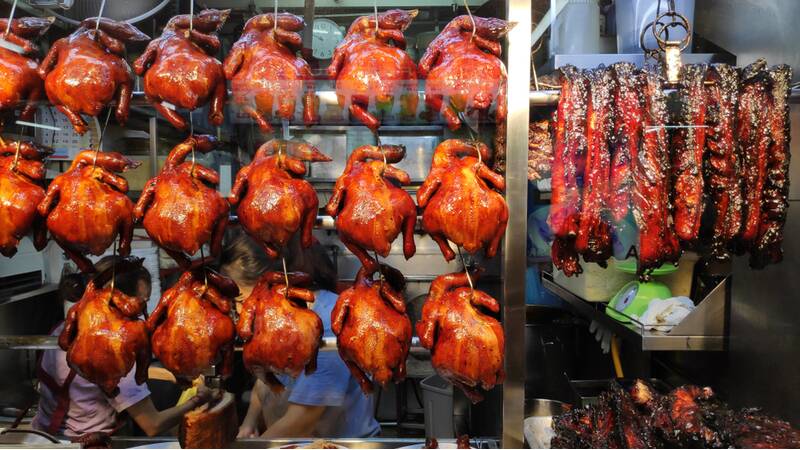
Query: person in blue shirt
[(328, 403)]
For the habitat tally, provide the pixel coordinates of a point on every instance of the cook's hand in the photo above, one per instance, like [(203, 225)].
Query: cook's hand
[(247, 431), (205, 395)]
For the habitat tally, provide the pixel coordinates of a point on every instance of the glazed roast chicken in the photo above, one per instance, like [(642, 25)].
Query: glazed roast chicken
[(369, 209), (180, 69), (178, 208), (372, 328), (267, 77), (466, 341), (191, 326), (458, 200), (370, 66), (281, 334), (87, 207), (463, 71), (20, 192), (274, 201), (85, 71), (20, 83), (103, 335)]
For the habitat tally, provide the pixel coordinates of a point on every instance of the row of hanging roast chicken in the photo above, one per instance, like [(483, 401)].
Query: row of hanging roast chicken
[(86, 209), (86, 72)]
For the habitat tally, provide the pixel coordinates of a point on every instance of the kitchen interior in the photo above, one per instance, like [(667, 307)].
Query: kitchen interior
[(578, 341)]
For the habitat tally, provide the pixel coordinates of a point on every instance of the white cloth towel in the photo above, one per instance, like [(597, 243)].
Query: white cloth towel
[(662, 315)]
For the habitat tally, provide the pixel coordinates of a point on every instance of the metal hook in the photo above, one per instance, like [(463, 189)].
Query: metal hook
[(191, 135), (16, 155), (99, 16), (471, 19), (285, 275), (380, 272), (275, 19), (10, 18), (375, 9), (466, 270), (463, 117), (191, 15), (203, 265), (100, 140), (114, 268)]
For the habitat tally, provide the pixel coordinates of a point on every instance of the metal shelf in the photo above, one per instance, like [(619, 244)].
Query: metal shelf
[(701, 330)]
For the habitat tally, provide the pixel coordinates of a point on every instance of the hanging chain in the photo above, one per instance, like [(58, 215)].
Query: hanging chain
[(100, 139), (471, 19), (466, 270), (10, 18)]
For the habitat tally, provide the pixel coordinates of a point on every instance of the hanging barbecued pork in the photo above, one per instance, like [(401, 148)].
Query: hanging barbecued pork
[(267, 77), (84, 72), (180, 70)]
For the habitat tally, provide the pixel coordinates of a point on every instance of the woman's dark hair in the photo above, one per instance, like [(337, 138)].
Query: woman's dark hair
[(73, 285), (243, 259)]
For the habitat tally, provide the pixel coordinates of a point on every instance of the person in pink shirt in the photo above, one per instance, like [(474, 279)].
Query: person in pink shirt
[(71, 406)]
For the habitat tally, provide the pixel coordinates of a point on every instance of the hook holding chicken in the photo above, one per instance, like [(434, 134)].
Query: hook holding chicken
[(371, 65), (281, 334), (372, 328), (180, 70), (87, 207), (370, 210), (267, 75), (22, 172), (178, 207), (85, 71)]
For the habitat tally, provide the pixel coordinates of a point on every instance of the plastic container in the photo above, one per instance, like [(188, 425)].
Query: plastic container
[(576, 30), (595, 284), (437, 396), (634, 15)]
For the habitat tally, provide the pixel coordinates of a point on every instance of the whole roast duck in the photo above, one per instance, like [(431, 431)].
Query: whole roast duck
[(274, 201), (180, 69), (458, 201), (86, 206), (371, 65), (178, 208), (372, 328), (281, 334), (369, 209), (85, 71), (266, 74), (20, 83), (103, 335), (191, 327), (21, 175), (465, 339), (463, 70)]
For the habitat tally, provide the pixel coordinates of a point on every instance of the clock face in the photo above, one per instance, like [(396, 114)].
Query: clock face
[(327, 36)]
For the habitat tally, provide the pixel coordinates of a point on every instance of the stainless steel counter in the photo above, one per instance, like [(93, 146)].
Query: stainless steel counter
[(131, 442)]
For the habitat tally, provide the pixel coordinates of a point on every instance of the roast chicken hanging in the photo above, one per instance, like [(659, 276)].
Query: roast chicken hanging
[(180, 70), (458, 200), (369, 209), (103, 335), (463, 71), (267, 77), (466, 341), (22, 172), (87, 207), (281, 334), (191, 327), (21, 87), (84, 72), (274, 201), (372, 328), (371, 67), (178, 208)]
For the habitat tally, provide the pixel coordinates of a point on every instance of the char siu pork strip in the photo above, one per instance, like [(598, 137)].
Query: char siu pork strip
[(722, 163), (753, 136), (594, 232), (650, 198), (775, 197), (570, 148), (689, 144), (628, 125)]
